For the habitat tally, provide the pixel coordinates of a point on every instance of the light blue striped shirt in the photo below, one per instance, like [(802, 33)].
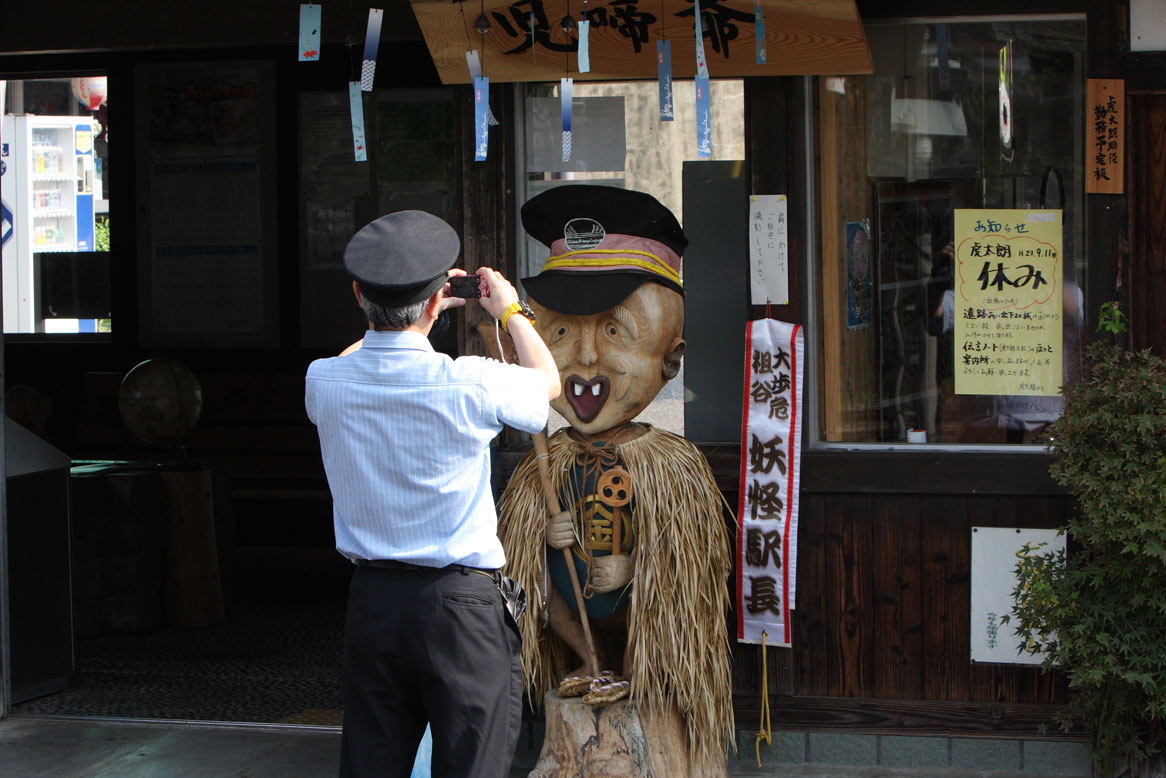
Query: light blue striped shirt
[(405, 435)]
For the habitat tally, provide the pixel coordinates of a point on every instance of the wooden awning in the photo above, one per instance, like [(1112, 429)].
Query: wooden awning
[(803, 37)]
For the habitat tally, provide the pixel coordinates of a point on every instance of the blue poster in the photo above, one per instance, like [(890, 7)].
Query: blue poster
[(664, 77)]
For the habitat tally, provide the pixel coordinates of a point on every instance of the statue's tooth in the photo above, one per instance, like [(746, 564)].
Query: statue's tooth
[(595, 390), (578, 389)]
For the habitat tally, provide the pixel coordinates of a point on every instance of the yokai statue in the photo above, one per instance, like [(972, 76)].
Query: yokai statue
[(637, 511)]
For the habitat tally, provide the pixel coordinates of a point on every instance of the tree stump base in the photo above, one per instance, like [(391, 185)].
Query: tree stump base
[(619, 740)]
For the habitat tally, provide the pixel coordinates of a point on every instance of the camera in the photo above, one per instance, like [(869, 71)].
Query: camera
[(465, 286)]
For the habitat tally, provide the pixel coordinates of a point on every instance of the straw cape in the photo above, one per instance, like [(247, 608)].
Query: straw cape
[(679, 598)]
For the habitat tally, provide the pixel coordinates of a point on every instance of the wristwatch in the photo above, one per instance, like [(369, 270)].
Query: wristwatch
[(521, 308)]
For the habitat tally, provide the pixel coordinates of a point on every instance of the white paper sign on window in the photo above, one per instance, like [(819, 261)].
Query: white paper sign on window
[(768, 250)]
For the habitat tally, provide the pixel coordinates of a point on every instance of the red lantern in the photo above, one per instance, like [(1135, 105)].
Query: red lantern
[(90, 91)]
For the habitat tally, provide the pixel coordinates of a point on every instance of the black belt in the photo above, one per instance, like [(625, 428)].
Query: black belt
[(393, 564)]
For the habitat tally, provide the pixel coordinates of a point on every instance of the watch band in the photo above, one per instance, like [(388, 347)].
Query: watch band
[(519, 307)]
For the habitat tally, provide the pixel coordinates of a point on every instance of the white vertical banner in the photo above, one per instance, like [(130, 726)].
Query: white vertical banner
[(768, 250), (771, 443)]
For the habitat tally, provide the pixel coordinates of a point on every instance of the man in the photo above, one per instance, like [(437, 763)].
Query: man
[(405, 435), (652, 567)]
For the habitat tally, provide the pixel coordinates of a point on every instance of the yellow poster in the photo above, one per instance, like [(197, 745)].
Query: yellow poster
[(1007, 301)]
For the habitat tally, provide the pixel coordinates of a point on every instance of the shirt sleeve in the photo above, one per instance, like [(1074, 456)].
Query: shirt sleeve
[(517, 394)]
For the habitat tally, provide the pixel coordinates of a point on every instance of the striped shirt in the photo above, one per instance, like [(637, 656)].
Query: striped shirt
[(405, 435)]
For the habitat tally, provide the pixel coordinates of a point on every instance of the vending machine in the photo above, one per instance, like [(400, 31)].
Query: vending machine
[(47, 179)]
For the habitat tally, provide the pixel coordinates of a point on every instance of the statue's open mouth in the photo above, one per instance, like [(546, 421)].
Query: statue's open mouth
[(586, 397)]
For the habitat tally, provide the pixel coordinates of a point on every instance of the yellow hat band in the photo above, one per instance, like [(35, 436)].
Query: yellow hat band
[(643, 260)]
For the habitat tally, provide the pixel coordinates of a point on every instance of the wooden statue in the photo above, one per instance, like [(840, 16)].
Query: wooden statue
[(617, 529)]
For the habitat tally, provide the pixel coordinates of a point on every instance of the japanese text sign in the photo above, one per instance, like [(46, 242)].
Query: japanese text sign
[(1105, 136), (771, 442), (526, 41), (1007, 302), (768, 250)]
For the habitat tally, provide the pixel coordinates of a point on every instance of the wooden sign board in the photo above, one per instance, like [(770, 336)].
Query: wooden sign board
[(802, 38), (1105, 136)]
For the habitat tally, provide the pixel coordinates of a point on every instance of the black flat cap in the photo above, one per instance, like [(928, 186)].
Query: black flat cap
[(401, 258), (604, 242)]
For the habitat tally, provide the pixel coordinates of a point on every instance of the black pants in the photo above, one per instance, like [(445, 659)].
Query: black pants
[(434, 646)]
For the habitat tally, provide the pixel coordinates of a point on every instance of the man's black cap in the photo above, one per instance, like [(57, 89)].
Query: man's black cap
[(604, 242), (401, 258)]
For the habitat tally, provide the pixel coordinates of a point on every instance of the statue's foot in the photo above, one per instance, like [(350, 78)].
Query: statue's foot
[(604, 691)]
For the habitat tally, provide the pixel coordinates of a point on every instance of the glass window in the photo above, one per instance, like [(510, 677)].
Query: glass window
[(55, 166), (942, 174), (619, 140)]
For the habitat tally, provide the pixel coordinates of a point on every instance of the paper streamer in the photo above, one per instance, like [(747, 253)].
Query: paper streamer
[(356, 109), (309, 32), (372, 39), (566, 92), (704, 127), (664, 78), (481, 117), (475, 66), (702, 67), (584, 48), (759, 26)]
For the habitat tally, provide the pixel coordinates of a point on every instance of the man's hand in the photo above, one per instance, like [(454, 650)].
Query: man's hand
[(560, 530), (609, 573)]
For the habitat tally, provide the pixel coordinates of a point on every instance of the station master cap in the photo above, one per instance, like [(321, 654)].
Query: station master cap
[(401, 258), (604, 242)]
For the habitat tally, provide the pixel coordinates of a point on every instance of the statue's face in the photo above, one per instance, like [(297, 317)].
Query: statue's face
[(613, 363)]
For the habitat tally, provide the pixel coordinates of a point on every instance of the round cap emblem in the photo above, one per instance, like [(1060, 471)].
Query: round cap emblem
[(583, 233)]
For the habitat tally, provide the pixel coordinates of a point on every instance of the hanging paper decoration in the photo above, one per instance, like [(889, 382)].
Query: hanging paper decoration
[(475, 66), (309, 32), (356, 109), (759, 26), (664, 78), (771, 444), (566, 92), (704, 126), (584, 49), (372, 39), (481, 117)]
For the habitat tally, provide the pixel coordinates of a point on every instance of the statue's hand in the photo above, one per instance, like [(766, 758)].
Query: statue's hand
[(560, 530), (609, 573)]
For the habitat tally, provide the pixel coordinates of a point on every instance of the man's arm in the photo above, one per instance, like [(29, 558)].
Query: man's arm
[(529, 346)]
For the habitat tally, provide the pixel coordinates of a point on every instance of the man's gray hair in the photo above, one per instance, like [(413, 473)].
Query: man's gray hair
[(384, 317)]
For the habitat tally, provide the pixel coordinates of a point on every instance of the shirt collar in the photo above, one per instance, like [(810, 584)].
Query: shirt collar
[(397, 339)]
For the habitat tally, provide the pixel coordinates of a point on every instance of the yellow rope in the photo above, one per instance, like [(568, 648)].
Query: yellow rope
[(766, 731)]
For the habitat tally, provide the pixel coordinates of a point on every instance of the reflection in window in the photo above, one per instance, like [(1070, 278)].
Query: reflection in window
[(956, 117), (55, 212)]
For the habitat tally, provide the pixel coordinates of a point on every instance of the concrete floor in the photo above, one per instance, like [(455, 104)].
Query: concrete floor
[(36, 747), (58, 747)]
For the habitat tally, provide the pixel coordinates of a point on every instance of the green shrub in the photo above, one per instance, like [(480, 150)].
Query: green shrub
[(1100, 610)]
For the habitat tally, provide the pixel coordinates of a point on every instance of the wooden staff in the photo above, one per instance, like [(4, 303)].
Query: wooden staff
[(552, 501)]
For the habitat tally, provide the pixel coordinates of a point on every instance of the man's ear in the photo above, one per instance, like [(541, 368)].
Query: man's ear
[(356, 291), (672, 359)]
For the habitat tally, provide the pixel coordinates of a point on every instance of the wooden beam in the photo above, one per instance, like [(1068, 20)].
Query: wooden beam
[(825, 36), (907, 717)]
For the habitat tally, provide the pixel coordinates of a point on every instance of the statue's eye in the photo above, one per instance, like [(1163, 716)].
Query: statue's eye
[(611, 330), (560, 332)]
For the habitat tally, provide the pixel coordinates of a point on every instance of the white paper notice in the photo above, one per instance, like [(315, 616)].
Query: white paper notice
[(768, 250)]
